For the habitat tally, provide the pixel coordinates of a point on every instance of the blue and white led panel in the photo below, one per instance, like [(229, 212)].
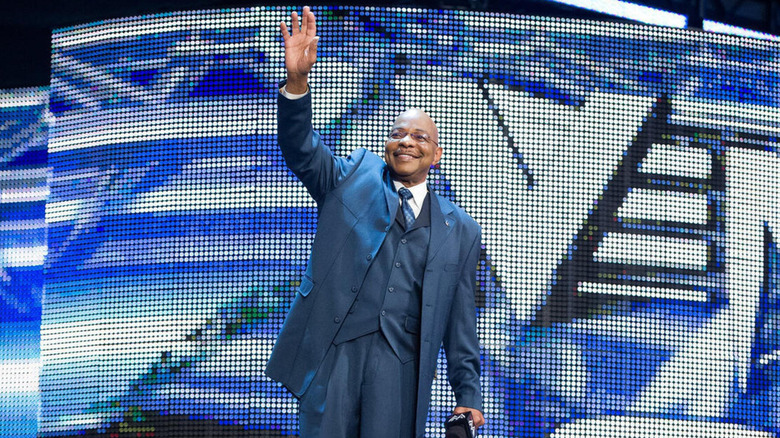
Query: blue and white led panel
[(23, 192), (626, 178)]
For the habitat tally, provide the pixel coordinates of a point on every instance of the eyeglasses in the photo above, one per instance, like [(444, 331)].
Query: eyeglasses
[(419, 137)]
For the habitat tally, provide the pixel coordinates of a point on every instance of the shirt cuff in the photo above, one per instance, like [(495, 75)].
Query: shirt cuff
[(289, 95)]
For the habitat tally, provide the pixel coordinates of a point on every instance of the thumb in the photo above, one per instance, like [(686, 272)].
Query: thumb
[(311, 51)]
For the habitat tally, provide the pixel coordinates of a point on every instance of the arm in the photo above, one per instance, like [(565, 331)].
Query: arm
[(303, 150), (461, 344)]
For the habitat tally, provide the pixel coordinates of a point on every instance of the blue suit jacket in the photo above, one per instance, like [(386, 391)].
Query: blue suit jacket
[(356, 206)]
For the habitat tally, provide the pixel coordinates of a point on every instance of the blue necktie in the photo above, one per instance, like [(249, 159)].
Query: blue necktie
[(406, 195)]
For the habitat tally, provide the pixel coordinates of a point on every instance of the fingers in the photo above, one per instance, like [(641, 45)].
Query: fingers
[(305, 19), (479, 420), (294, 22), (308, 25), (310, 22), (476, 416)]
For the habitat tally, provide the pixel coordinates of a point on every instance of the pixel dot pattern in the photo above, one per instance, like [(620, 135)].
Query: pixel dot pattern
[(625, 176)]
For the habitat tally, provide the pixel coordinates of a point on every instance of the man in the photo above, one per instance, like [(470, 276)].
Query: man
[(388, 282)]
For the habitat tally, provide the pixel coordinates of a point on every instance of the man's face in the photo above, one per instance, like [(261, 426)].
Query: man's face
[(412, 147)]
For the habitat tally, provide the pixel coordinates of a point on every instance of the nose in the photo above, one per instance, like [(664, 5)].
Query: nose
[(407, 140)]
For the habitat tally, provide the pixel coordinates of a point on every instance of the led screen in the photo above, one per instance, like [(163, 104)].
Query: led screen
[(23, 192), (625, 176)]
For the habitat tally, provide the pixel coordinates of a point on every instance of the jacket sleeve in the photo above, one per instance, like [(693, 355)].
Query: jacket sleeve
[(303, 150), (461, 344)]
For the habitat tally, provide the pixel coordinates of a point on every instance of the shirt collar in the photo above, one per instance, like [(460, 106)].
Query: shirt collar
[(418, 192)]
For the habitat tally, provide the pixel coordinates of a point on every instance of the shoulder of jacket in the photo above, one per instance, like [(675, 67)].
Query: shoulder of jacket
[(365, 160), (458, 211), (362, 163)]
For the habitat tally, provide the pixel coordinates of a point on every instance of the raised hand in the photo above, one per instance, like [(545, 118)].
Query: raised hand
[(300, 50)]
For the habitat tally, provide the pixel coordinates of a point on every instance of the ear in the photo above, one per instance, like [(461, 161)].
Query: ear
[(437, 155)]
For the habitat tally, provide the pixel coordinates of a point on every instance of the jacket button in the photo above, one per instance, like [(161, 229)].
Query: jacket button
[(368, 257), (397, 264), (337, 320), (383, 313), (354, 289), (403, 241), (391, 289)]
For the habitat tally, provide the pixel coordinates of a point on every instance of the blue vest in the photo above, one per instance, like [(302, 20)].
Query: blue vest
[(389, 298)]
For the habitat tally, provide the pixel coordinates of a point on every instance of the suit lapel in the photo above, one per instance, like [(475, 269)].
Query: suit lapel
[(442, 224), (391, 197)]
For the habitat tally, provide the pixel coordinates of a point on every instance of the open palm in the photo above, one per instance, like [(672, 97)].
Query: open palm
[(300, 48)]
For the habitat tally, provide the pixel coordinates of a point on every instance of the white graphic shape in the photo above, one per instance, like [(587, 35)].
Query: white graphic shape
[(570, 151), (673, 160), (664, 205), (697, 381), (640, 249)]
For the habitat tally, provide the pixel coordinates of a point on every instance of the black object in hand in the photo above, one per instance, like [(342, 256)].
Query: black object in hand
[(460, 426)]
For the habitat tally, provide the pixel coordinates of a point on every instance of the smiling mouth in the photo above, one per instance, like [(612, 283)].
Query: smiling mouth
[(402, 154)]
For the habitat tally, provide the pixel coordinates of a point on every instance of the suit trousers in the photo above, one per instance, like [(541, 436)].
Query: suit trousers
[(361, 390)]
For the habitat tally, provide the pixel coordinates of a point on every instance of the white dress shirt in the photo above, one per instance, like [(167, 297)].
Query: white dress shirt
[(291, 96), (418, 196)]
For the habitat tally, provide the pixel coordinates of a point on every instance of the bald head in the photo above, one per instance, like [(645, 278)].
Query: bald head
[(422, 119)]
